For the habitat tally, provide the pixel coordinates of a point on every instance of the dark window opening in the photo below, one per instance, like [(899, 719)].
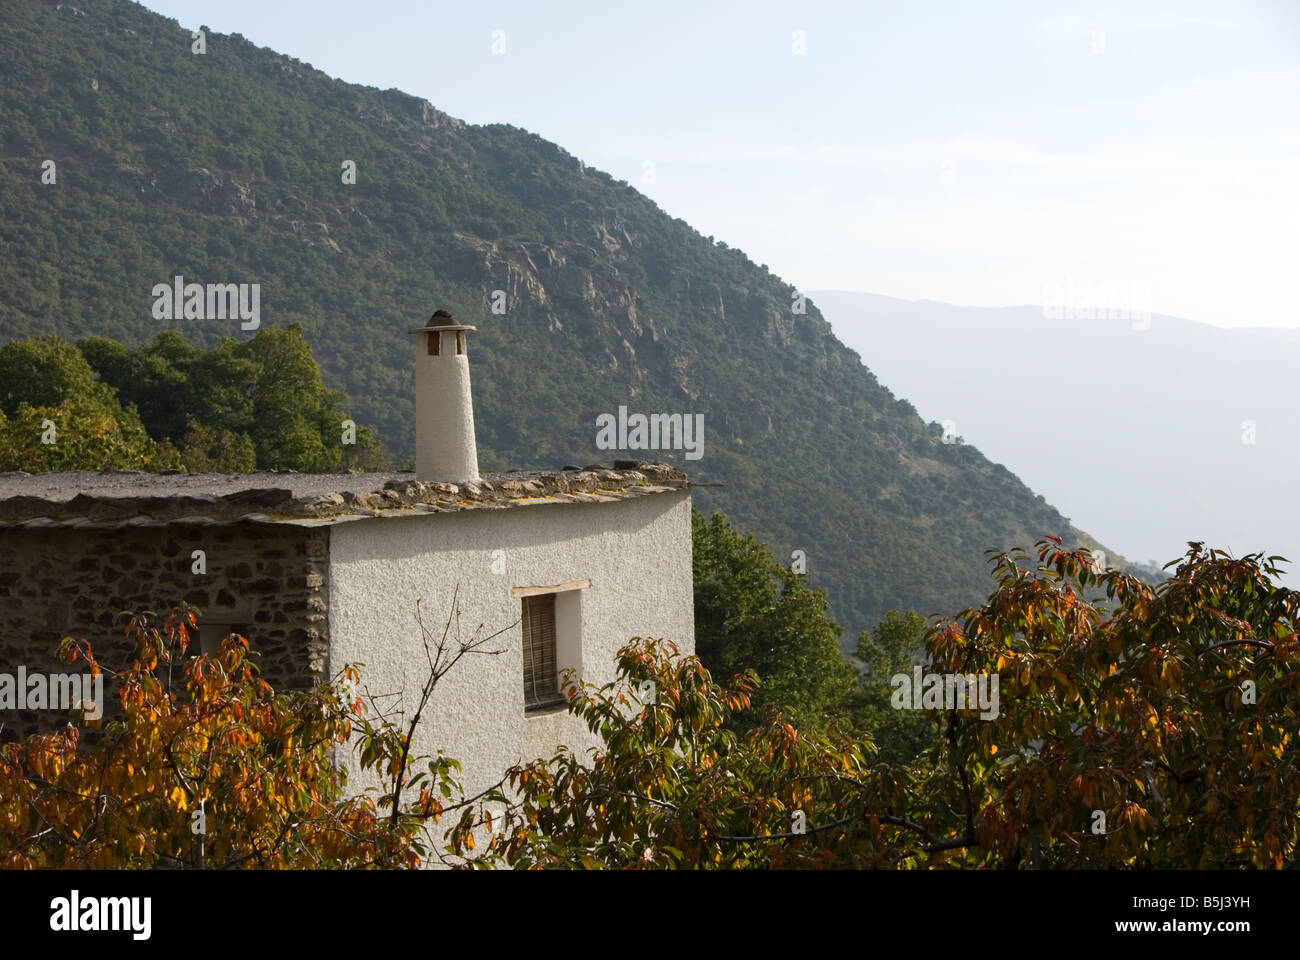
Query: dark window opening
[(211, 636), (541, 683)]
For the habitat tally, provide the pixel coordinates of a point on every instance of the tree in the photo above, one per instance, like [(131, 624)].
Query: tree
[(752, 613), (87, 432), (43, 372), (172, 382), (674, 787), (1160, 733), (893, 647), (207, 767), (287, 395), (55, 415), (238, 407), (1169, 721), (209, 451)]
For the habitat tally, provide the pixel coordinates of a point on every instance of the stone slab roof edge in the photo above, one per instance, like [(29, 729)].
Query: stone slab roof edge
[(131, 499)]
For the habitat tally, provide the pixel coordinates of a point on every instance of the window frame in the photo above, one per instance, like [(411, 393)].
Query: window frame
[(535, 607), (568, 639)]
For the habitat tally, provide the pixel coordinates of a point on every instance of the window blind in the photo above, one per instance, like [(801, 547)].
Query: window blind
[(540, 682)]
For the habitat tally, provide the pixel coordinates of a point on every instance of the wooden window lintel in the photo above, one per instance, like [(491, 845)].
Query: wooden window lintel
[(517, 592)]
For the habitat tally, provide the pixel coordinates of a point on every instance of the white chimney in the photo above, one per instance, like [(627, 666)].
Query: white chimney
[(445, 451)]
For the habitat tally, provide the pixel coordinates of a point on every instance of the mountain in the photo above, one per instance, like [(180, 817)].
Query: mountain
[(1139, 426), (229, 166)]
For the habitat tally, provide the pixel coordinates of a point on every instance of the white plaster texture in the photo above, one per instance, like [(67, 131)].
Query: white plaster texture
[(636, 553), (445, 450)]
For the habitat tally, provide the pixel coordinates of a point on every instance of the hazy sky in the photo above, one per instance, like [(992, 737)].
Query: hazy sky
[(982, 154)]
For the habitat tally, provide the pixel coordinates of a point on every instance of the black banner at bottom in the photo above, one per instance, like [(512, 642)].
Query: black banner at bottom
[(402, 909)]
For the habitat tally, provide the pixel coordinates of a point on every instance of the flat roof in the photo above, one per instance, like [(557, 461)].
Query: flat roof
[(133, 498)]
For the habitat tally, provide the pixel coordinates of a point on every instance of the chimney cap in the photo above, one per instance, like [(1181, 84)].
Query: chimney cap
[(441, 320), (452, 326)]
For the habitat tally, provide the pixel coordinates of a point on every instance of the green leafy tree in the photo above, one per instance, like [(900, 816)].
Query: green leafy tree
[(56, 415), (172, 382), (752, 613), (289, 399), (894, 647), (265, 394), (210, 451), (84, 433), (45, 372)]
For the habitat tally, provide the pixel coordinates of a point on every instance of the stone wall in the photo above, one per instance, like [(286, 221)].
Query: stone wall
[(270, 580)]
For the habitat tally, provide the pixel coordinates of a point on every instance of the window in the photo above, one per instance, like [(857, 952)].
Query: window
[(541, 680), (552, 641), (434, 340), (210, 637)]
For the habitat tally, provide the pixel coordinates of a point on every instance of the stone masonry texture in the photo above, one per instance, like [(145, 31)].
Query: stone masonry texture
[(271, 581)]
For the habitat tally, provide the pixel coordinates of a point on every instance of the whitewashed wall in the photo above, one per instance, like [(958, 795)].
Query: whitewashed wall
[(636, 552)]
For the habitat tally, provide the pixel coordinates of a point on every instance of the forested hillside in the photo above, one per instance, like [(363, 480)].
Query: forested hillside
[(229, 167)]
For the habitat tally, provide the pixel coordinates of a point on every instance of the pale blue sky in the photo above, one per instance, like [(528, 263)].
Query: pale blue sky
[(974, 153)]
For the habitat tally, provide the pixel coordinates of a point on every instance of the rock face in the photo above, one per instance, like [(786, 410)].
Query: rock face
[(270, 583)]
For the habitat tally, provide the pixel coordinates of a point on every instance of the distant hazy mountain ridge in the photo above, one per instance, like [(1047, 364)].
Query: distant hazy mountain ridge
[(1156, 430)]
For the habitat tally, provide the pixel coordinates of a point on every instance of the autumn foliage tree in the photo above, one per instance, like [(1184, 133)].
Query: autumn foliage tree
[(1172, 714), (208, 767), (1156, 729)]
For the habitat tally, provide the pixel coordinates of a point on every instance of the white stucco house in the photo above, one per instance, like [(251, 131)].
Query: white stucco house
[(323, 570)]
